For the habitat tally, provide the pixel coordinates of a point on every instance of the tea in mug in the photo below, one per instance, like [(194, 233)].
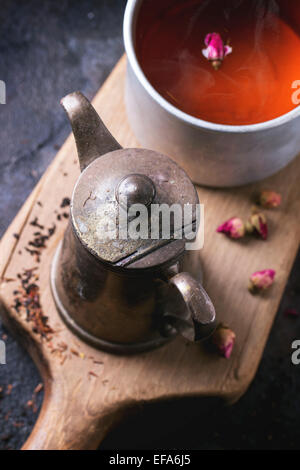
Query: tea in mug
[(251, 84)]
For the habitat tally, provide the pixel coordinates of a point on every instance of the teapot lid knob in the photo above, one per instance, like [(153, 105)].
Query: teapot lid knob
[(137, 189)]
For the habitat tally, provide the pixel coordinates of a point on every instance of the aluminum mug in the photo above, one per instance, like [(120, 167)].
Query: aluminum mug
[(212, 154)]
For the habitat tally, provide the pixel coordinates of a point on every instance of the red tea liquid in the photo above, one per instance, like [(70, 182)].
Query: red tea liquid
[(254, 83)]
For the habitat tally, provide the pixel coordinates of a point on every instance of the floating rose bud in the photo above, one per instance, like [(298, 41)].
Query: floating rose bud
[(233, 228), (269, 199), (223, 338), (292, 312), (257, 224), (216, 50), (261, 280)]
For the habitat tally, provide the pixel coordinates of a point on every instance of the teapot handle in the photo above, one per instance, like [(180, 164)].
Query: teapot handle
[(188, 308), (92, 137)]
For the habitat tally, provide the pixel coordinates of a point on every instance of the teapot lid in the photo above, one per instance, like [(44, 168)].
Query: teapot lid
[(122, 180)]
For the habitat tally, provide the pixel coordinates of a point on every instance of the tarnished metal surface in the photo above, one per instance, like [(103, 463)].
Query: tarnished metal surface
[(94, 205), (91, 136), (136, 189), (115, 311), (189, 308), (118, 292), (107, 304)]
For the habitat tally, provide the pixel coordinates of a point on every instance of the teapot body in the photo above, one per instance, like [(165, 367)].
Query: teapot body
[(119, 310), (117, 287)]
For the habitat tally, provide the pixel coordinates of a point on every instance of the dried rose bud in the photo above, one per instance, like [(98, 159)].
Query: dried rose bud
[(261, 280), (223, 338), (233, 228), (257, 224), (292, 312), (269, 199), (216, 50)]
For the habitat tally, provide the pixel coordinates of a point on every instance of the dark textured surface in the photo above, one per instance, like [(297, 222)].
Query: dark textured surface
[(48, 49)]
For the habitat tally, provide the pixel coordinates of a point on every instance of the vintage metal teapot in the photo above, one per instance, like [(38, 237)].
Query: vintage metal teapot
[(127, 293)]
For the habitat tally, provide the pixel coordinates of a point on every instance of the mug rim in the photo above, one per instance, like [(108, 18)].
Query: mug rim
[(128, 27)]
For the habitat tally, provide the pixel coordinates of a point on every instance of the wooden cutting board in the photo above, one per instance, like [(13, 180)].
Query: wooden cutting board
[(86, 391)]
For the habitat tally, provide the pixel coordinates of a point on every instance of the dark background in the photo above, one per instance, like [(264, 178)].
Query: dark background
[(48, 49)]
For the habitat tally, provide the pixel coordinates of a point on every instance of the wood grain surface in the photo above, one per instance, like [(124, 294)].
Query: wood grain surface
[(86, 391)]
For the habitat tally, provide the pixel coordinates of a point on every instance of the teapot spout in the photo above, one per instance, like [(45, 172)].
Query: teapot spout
[(92, 138)]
